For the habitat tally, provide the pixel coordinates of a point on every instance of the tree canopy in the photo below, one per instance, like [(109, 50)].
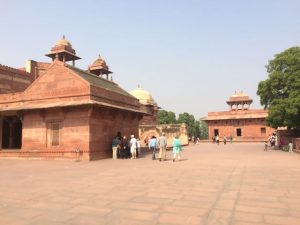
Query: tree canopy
[(280, 92), (203, 130), (166, 117), (192, 125), (195, 128)]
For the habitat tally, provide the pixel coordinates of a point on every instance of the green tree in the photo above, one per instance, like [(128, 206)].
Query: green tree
[(166, 117), (192, 125), (280, 93), (203, 130)]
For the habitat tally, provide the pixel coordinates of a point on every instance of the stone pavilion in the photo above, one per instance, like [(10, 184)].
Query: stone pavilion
[(240, 122), (58, 111)]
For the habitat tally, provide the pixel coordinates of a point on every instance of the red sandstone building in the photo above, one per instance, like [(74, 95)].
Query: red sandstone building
[(240, 122), (55, 110)]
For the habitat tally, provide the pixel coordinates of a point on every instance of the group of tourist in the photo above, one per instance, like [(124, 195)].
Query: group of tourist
[(195, 140), (216, 139), (124, 148), (273, 140)]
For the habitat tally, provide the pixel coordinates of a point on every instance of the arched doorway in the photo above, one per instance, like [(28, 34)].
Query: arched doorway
[(11, 133)]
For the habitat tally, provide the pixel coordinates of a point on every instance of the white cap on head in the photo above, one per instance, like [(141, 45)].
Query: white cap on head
[(132, 136)]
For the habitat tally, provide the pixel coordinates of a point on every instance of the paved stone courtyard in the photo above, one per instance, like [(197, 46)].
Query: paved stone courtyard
[(236, 184)]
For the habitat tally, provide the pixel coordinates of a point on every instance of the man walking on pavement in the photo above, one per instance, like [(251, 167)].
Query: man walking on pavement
[(162, 147)]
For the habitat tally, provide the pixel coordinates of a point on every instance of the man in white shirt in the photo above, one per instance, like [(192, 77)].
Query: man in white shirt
[(133, 146)]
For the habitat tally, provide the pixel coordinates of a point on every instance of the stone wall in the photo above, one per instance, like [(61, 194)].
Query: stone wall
[(104, 125), (36, 134), (13, 80), (170, 130), (250, 128), (285, 136), (150, 116), (296, 143), (86, 129)]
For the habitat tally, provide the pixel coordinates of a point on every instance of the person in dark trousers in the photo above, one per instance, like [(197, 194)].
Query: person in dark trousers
[(152, 146), (119, 136), (125, 148)]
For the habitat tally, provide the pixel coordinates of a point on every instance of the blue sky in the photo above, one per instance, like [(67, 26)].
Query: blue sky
[(191, 55)]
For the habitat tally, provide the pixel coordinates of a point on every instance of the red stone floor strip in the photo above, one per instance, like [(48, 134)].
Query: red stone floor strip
[(236, 184)]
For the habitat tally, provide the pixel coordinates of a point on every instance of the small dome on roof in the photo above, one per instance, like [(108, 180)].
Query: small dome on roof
[(63, 51), (63, 41), (239, 96), (99, 62), (143, 96)]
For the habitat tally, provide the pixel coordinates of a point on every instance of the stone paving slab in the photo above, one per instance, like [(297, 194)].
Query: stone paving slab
[(236, 184)]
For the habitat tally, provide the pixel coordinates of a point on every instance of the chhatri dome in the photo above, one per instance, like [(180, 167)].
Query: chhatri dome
[(239, 98), (63, 41), (99, 67), (63, 51), (143, 96)]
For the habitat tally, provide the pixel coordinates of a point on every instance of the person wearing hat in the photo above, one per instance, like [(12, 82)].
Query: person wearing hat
[(133, 146), (162, 147)]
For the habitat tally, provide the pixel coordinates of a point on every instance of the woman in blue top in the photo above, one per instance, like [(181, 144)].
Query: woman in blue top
[(176, 148)]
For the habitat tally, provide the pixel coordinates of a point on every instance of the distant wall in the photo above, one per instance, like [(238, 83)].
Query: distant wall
[(285, 136), (170, 130), (13, 80), (296, 142), (251, 129)]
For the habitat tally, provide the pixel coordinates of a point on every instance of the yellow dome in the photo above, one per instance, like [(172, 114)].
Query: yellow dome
[(63, 42), (143, 96)]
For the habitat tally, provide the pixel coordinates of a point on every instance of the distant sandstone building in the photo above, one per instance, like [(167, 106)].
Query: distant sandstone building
[(240, 122), (55, 110)]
